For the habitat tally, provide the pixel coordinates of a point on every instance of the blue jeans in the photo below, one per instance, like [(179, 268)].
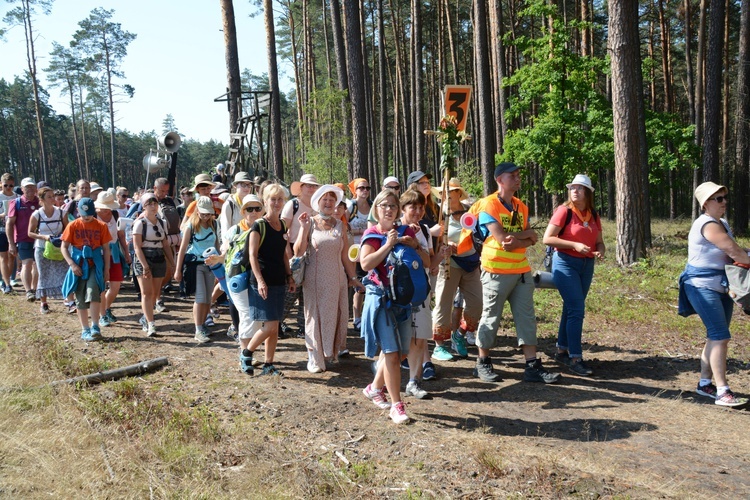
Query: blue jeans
[(572, 277), (714, 309)]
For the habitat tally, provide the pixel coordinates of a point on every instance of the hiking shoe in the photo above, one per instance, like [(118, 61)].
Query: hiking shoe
[(214, 311), (232, 333), (5, 288), (209, 321), (398, 413), (428, 371), (269, 369), (44, 308), (537, 373), (580, 368), (15, 282), (151, 332), (730, 400), (86, 335), (357, 323), (485, 371), (30, 296), (343, 353), (111, 317), (414, 389), (104, 321), (313, 367), (458, 345), (405, 364), (246, 361), (563, 358), (471, 338), (96, 331), (440, 353), (201, 336), (707, 390), (144, 323), (160, 307), (377, 396)]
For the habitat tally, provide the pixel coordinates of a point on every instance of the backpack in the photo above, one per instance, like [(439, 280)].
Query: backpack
[(410, 285), (237, 258), (168, 212), (550, 250), (144, 227)]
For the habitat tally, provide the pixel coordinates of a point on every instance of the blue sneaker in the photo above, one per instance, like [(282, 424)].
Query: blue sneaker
[(111, 317), (458, 345), (440, 353), (86, 335), (96, 333), (104, 321), (405, 364), (428, 371)]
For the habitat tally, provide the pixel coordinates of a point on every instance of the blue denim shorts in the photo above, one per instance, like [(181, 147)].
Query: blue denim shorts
[(25, 250), (714, 309)]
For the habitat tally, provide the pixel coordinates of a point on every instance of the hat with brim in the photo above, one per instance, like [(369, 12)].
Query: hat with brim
[(321, 191), (241, 177), (296, 186), (454, 185), (204, 205), (581, 180), (705, 191), (95, 187), (106, 201), (202, 179), (252, 199), (219, 188)]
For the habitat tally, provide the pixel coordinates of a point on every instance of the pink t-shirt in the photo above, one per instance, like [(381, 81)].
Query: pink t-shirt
[(576, 231), (380, 274)]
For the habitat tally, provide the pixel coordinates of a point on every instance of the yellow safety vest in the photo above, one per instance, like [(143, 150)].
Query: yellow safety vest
[(494, 259)]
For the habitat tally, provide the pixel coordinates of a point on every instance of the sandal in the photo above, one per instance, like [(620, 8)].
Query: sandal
[(246, 362)]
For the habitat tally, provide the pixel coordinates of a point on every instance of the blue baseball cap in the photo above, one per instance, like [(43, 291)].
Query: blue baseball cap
[(505, 167), (86, 207)]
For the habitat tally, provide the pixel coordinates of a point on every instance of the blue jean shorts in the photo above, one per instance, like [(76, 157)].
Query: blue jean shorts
[(25, 250), (714, 309)]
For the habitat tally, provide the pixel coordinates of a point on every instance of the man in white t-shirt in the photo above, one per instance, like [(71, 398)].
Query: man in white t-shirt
[(303, 189), (7, 262)]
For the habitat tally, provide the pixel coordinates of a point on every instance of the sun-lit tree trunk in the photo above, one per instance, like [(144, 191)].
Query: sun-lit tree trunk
[(231, 58), (627, 98), (329, 70), (383, 92), (484, 96), (713, 92), (356, 75), (741, 193), (700, 79), (498, 64), (724, 173), (277, 153), (417, 82), (339, 48)]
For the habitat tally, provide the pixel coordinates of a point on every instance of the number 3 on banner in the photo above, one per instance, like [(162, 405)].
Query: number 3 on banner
[(457, 99)]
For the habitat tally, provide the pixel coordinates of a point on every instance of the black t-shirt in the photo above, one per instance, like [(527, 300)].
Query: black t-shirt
[(271, 254)]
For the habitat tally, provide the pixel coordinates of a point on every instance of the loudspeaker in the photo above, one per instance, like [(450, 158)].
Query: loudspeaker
[(171, 142)]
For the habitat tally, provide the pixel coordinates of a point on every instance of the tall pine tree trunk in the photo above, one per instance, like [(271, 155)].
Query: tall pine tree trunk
[(339, 48), (382, 91), (231, 57), (356, 75), (417, 90), (484, 96), (277, 153), (627, 108), (713, 92), (742, 127)]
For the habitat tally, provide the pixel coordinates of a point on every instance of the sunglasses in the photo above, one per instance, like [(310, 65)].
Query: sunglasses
[(156, 231), (720, 199), (395, 188), (123, 195), (9, 185), (253, 209), (364, 188)]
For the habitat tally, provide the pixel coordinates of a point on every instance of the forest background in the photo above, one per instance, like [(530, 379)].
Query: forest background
[(554, 90)]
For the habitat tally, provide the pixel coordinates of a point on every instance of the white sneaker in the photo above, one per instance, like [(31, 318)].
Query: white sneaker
[(160, 307), (413, 388), (398, 413), (313, 367), (151, 329), (377, 396), (201, 337), (471, 338)]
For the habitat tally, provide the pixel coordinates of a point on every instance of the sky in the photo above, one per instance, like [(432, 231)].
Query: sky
[(176, 63)]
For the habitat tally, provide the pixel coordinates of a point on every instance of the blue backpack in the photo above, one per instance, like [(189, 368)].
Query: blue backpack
[(410, 285)]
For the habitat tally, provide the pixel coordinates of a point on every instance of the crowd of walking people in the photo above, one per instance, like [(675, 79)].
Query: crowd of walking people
[(244, 241)]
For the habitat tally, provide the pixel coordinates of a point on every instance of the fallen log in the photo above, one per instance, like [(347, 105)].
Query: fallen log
[(148, 366)]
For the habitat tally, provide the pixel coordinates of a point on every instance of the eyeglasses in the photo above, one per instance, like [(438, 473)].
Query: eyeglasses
[(388, 206), (720, 199), (364, 188), (246, 185), (253, 209), (125, 195), (202, 215), (396, 187)]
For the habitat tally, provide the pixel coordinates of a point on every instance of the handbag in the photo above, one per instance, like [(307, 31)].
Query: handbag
[(52, 252), (298, 264)]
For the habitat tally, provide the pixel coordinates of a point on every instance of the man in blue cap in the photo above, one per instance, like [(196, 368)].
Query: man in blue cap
[(506, 275)]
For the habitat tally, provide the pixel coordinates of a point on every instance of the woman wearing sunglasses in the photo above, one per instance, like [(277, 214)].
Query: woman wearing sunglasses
[(359, 209), (703, 289), (150, 265), (198, 235)]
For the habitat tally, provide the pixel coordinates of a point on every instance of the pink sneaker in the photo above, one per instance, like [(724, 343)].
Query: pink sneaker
[(398, 413), (377, 396)]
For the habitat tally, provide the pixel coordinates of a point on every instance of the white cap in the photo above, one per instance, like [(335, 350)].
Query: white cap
[(389, 180)]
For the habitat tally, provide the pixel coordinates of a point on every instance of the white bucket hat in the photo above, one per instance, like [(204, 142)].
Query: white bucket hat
[(581, 180), (326, 188)]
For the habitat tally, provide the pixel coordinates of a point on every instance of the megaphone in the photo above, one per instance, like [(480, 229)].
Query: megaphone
[(171, 142), (152, 162), (468, 221), (354, 253), (543, 279)]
